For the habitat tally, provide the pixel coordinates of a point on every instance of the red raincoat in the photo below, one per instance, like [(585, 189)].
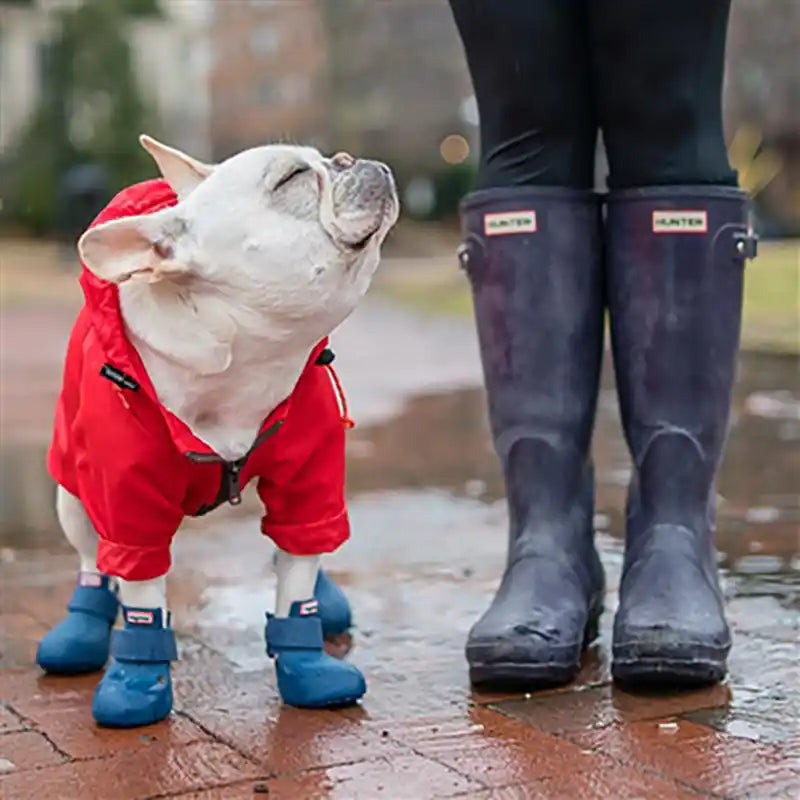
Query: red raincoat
[(139, 470)]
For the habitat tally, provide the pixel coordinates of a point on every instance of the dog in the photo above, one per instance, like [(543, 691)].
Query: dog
[(200, 362)]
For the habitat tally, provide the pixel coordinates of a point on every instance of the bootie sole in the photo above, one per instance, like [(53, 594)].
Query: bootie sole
[(531, 674), (341, 702), (141, 721), (71, 670)]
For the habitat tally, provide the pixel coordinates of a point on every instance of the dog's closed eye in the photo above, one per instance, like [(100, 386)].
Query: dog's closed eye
[(295, 171)]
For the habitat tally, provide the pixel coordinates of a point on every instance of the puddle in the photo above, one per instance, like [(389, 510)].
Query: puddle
[(441, 441), (429, 540)]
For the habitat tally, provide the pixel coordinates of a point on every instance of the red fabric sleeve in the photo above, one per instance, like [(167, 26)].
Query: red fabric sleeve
[(60, 456), (303, 491), (129, 476)]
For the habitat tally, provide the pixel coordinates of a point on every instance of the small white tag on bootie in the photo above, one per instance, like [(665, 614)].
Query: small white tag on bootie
[(139, 617), (308, 608), (680, 222), (500, 223)]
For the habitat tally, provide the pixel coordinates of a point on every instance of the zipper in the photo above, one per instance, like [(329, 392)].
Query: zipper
[(230, 490), (232, 470)]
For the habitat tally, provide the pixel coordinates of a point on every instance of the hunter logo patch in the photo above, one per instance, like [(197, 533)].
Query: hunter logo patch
[(309, 608), (680, 222), (91, 579), (502, 222), (139, 617)]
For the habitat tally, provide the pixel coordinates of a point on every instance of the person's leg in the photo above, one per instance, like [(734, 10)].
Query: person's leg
[(532, 254), (528, 64), (677, 237), (657, 79)]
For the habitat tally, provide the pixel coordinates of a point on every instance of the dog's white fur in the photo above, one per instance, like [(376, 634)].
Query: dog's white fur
[(225, 295)]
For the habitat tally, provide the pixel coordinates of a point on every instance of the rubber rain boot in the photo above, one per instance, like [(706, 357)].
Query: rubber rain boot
[(675, 259), (137, 687), (533, 257), (307, 676), (80, 642)]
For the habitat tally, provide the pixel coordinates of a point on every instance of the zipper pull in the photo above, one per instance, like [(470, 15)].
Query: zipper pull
[(234, 485)]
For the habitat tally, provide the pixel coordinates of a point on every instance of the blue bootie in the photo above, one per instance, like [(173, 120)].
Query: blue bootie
[(137, 689), (334, 608), (307, 676), (80, 642)]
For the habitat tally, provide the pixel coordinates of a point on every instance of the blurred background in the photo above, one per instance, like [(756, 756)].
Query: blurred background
[(80, 79)]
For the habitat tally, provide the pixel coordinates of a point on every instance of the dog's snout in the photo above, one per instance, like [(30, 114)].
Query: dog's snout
[(343, 160)]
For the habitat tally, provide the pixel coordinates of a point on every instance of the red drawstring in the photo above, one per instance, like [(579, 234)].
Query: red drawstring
[(122, 398), (346, 421)]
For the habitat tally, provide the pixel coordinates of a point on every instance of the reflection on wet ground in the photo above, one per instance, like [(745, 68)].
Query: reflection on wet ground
[(441, 441), (429, 541), (428, 546)]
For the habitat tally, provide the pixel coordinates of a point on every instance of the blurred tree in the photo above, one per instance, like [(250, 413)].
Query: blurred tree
[(90, 111), (141, 8)]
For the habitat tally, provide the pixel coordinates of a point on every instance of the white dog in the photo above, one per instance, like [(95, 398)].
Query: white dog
[(199, 362)]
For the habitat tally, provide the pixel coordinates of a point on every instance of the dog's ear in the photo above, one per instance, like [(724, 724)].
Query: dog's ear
[(183, 173), (134, 248)]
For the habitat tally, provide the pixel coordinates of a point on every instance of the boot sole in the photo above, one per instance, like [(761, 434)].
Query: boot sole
[(507, 675), (653, 672), (71, 671), (527, 675), (653, 664)]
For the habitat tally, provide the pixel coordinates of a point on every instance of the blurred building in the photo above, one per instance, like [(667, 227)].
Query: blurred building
[(173, 62), (386, 78), (399, 81), (269, 78), (24, 27), (170, 53)]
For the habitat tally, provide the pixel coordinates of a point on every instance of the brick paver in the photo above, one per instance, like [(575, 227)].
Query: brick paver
[(695, 755), (419, 570)]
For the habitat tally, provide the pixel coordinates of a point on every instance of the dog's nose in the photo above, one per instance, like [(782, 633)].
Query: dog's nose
[(343, 160)]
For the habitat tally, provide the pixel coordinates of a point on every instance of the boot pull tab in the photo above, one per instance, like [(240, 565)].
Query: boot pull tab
[(462, 253), (467, 250), (746, 242)]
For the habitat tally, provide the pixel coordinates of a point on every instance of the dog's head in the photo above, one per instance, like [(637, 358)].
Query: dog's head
[(281, 232)]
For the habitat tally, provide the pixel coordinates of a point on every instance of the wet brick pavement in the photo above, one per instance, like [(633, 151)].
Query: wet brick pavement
[(427, 549)]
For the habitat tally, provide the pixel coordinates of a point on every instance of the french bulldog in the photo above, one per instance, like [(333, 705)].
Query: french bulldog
[(200, 362)]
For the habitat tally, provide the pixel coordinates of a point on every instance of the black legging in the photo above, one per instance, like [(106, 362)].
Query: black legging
[(548, 73)]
